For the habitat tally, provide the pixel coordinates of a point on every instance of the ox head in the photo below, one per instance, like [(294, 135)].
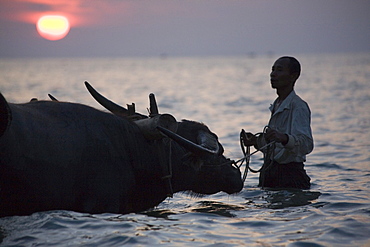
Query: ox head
[(214, 172), (199, 150)]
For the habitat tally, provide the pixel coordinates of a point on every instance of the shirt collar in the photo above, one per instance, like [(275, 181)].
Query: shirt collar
[(285, 104)]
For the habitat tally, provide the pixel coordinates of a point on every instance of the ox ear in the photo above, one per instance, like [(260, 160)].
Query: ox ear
[(5, 115), (208, 141)]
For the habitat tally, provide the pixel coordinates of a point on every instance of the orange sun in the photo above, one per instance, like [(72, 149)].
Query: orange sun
[(53, 27)]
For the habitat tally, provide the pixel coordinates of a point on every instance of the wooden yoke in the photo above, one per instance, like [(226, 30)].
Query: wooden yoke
[(153, 110), (148, 126)]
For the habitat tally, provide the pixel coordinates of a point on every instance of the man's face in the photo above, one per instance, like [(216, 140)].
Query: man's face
[(280, 76)]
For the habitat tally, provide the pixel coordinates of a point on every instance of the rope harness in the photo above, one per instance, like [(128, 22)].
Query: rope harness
[(169, 171), (267, 149), (167, 168)]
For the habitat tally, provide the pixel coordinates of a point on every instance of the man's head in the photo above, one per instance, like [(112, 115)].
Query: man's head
[(285, 72), (294, 66)]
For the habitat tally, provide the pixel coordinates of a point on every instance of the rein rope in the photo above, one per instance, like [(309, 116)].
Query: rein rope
[(247, 155)]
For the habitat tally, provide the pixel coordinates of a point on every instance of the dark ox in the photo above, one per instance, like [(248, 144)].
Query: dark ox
[(68, 156)]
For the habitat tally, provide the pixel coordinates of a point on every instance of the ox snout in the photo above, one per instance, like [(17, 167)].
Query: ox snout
[(232, 180), (216, 178)]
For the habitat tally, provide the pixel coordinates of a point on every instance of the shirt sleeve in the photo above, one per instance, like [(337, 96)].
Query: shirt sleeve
[(300, 137)]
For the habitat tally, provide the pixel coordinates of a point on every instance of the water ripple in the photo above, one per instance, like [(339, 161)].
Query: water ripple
[(227, 94)]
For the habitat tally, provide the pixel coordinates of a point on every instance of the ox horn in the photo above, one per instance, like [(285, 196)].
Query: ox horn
[(191, 146), (109, 105), (52, 97)]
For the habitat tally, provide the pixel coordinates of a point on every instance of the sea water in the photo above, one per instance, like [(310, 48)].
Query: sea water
[(227, 94)]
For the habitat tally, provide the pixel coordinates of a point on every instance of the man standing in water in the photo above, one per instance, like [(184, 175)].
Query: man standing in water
[(289, 130)]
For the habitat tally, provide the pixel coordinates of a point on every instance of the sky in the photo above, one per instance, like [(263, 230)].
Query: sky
[(112, 28)]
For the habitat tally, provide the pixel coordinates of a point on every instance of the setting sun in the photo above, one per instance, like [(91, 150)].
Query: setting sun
[(53, 27)]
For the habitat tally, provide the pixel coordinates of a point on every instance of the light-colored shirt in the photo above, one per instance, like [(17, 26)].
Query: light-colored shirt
[(292, 117)]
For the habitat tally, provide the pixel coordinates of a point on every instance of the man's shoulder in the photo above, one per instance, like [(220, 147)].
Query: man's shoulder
[(298, 101), (298, 98)]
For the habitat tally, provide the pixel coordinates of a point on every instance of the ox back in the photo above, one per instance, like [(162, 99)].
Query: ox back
[(69, 156)]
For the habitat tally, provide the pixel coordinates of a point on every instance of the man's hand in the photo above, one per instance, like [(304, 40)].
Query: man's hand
[(248, 138), (274, 135)]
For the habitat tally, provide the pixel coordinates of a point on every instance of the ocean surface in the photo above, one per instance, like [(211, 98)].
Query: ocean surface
[(227, 94)]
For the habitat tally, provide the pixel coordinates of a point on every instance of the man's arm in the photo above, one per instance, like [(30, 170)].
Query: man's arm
[(301, 135)]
